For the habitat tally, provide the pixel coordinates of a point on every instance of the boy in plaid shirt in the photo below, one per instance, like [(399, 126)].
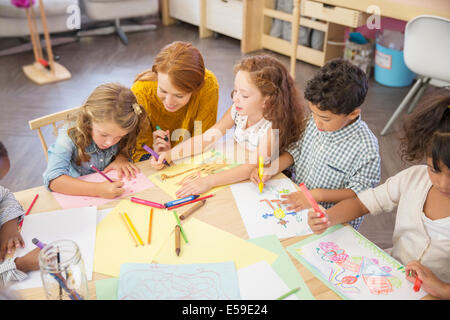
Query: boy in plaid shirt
[(338, 155)]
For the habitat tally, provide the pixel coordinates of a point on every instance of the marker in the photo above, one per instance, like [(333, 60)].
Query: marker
[(189, 202), (311, 200), (147, 203), (287, 294), (153, 153), (132, 229), (177, 239), (417, 284), (182, 200), (38, 244), (192, 209), (150, 227), (44, 63), (28, 211), (181, 228), (104, 175), (260, 173), (166, 138)]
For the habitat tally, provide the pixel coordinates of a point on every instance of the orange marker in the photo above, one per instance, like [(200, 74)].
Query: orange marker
[(150, 227)]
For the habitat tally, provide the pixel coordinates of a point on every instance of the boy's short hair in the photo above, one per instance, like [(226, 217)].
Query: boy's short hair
[(3, 151), (339, 87)]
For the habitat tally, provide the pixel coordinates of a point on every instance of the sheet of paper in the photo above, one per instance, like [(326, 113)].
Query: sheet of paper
[(260, 282), (354, 267), (283, 266), (210, 281), (263, 214), (208, 244), (170, 179), (106, 289), (72, 224), (131, 187), (114, 243)]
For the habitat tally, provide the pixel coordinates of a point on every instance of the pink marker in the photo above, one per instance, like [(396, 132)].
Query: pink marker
[(311, 200), (147, 203), (104, 175)]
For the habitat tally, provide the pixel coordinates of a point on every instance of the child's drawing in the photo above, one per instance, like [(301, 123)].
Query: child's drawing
[(264, 214), (212, 281), (353, 266)]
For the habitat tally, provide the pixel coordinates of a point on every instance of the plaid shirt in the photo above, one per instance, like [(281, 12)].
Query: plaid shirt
[(344, 159)]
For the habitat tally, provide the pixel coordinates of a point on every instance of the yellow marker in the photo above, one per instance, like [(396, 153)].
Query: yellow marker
[(260, 173), (133, 229)]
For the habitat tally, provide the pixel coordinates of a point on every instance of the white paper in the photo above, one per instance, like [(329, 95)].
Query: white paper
[(263, 214), (78, 225), (260, 282)]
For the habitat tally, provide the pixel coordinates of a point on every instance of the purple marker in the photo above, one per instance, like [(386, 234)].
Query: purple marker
[(38, 243), (153, 153)]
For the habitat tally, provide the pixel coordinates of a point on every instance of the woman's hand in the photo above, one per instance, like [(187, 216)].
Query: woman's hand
[(197, 186), (430, 283), (161, 141), (123, 167), (159, 164), (10, 238)]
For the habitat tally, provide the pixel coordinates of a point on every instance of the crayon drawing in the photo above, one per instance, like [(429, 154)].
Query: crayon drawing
[(264, 214), (210, 281), (353, 266), (171, 179)]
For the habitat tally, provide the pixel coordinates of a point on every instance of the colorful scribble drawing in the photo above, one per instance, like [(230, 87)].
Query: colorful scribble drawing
[(277, 211), (157, 282), (346, 271)]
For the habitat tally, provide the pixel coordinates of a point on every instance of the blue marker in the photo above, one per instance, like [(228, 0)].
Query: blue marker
[(182, 200)]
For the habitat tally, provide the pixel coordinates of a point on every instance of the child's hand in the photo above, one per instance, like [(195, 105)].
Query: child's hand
[(123, 167), (318, 224), (295, 201), (159, 164), (10, 238), (159, 143), (254, 177), (28, 262), (110, 190), (197, 186), (430, 283)]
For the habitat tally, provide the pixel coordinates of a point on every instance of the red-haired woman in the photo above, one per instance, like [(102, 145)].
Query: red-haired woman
[(175, 92)]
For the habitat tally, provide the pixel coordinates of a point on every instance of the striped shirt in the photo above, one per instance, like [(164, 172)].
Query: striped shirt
[(10, 209), (344, 159)]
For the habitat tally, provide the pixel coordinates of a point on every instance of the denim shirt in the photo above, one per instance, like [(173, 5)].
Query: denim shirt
[(62, 158)]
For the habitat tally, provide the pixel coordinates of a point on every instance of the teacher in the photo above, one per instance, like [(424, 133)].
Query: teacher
[(175, 92)]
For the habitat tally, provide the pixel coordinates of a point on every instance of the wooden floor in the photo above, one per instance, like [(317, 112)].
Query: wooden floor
[(96, 60)]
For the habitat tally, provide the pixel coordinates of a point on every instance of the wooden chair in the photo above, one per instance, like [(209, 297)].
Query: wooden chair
[(52, 119)]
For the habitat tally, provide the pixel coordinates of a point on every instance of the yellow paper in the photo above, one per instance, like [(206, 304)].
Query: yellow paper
[(208, 244), (171, 178), (114, 244)]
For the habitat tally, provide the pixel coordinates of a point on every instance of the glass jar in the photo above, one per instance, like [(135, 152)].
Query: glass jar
[(62, 271)]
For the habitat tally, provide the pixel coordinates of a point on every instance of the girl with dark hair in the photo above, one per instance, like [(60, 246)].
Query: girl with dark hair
[(421, 195)]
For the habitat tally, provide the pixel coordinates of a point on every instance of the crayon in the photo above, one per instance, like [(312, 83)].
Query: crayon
[(177, 239)]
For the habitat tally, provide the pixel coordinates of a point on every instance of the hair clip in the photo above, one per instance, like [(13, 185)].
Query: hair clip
[(137, 108)]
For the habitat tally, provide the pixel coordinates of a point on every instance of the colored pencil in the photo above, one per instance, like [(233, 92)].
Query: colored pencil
[(149, 240), (104, 175), (311, 200), (191, 210), (28, 211), (177, 239), (153, 153), (147, 203), (181, 228), (189, 202), (132, 229), (287, 294)]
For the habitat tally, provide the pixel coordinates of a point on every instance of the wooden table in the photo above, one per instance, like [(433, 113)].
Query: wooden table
[(219, 211)]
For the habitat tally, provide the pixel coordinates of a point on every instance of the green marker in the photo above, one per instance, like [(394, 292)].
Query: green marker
[(181, 228), (166, 138), (287, 294)]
